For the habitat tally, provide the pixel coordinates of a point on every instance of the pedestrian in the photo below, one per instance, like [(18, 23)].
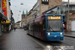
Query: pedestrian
[(14, 28)]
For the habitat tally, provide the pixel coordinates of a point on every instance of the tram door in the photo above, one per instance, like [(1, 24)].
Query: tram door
[(0, 28)]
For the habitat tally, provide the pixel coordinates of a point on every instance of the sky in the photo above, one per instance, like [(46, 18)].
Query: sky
[(18, 9)]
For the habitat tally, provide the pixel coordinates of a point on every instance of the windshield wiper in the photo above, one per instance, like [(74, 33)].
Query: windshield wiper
[(51, 28)]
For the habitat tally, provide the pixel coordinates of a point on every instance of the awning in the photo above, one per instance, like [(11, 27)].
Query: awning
[(5, 22), (3, 16)]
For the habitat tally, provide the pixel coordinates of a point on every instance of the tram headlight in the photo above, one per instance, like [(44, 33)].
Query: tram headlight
[(61, 33), (48, 33)]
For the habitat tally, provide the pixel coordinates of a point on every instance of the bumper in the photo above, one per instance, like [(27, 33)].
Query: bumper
[(55, 38)]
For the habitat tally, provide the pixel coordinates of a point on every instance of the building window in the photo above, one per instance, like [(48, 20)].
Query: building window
[(46, 2), (0, 4), (72, 7)]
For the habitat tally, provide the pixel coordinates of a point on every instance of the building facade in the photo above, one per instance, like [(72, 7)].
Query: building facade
[(54, 7), (12, 23), (5, 7), (53, 3), (71, 20), (23, 19), (41, 6), (18, 24), (2, 17), (64, 11)]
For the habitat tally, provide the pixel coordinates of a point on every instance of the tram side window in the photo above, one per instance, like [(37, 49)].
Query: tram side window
[(41, 28), (44, 25), (35, 27), (38, 28), (29, 27)]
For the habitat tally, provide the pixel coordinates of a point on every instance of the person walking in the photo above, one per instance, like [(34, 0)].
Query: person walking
[(14, 28)]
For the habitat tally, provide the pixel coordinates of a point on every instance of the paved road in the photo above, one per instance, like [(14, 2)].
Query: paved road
[(19, 40)]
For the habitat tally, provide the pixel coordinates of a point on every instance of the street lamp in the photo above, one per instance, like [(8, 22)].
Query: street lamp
[(22, 4), (68, 15)]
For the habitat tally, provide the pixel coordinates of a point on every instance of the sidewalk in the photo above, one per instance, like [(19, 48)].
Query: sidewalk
[(69, 34)]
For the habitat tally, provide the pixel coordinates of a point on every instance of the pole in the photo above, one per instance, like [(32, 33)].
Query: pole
[(11, 18), (68, 15)]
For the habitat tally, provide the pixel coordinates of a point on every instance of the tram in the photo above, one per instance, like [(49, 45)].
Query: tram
[(48, 27)]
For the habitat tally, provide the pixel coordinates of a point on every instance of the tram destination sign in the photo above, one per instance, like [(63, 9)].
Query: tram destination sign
[(54, 17)]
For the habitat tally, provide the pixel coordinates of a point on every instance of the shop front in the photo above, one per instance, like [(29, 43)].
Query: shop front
[(72, 25), (2, 18), (6, 26), (71, 21)]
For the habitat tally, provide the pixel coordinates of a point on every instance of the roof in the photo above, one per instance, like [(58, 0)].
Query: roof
[(23, 13), (3, 16), (18, 22), (26, 12), (66, 3)]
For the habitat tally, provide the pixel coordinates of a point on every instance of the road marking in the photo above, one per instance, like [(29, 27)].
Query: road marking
[(42, 45), (38, 42), (48, 47)]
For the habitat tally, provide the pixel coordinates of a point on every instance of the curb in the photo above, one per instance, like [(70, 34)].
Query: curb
[(69, 36)]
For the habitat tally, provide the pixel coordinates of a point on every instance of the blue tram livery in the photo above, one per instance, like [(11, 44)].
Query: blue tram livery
[(47, 27)]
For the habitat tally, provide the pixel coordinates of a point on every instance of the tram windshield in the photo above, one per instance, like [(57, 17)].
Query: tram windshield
[(54, 24)]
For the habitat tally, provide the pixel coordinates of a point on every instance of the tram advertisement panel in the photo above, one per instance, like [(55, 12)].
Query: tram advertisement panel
[(54, 23)]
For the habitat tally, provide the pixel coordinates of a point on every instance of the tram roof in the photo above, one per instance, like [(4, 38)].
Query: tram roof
[(40, 18)]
